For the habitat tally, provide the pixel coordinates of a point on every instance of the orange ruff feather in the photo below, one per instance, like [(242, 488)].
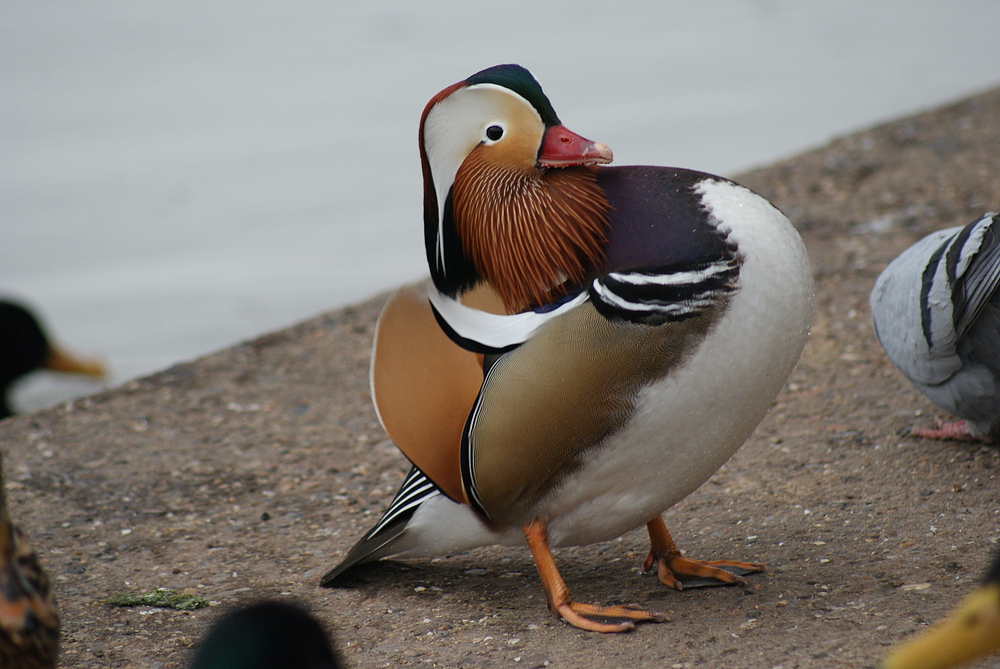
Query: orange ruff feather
[(529, 233)]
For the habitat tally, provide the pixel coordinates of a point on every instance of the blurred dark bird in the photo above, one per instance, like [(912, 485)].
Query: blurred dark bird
[(24, 347), (266, 635), (29, 622), (971, 630), (936, 310)]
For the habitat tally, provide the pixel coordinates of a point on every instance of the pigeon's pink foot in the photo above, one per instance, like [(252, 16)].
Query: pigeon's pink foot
[(958, 431)]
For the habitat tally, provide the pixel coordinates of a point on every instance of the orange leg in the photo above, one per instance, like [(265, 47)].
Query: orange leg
[(620, 618), (671, 565)]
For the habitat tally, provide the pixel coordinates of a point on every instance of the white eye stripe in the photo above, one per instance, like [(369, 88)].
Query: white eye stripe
[(454, 127)]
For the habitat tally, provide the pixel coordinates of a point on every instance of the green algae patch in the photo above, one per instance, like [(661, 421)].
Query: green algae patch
[(164, 598)]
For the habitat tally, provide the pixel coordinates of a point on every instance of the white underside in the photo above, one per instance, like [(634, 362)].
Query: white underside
[(689, 424)]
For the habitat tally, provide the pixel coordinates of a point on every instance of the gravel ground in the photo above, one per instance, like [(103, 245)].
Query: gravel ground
[(246, 474)]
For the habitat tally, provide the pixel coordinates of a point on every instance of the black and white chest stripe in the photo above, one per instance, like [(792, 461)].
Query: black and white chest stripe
[(650, 296), (666, 294)]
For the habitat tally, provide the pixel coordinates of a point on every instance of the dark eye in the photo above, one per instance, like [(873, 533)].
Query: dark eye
[(494, 132)]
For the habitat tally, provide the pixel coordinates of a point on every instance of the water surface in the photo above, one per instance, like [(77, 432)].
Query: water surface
[(176, 177)]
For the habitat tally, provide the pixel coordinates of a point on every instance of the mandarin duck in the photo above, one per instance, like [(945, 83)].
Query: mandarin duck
[(597, 342), (936, 312), (24, 347), (266, 635), (29, 622), (971, 630)]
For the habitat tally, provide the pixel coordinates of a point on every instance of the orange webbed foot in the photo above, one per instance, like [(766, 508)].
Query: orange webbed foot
[(596, 618), (591, 617), (678, 572)]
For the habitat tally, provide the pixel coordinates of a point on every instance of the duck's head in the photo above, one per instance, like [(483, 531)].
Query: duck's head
[(509, 193), (25, 347)]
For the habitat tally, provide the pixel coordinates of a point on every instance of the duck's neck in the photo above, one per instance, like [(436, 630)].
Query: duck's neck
[(530, 234)]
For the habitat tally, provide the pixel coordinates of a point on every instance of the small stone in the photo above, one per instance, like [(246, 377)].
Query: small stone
[(915, 587)]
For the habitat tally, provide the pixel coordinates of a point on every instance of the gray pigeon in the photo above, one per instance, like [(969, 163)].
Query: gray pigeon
[(936, 311)]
